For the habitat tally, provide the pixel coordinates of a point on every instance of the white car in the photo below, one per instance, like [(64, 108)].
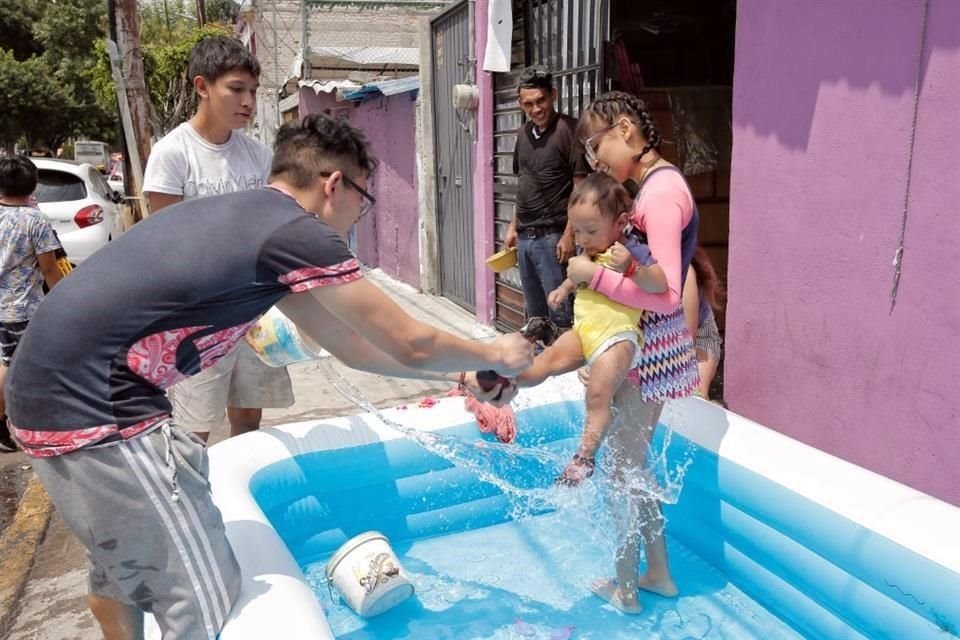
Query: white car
[(80, 204)]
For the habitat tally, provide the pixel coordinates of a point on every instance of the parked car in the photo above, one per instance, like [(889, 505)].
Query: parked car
[(80, 204), (115, 177)]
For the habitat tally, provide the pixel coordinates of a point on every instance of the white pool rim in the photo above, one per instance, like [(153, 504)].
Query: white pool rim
[(277, 602)]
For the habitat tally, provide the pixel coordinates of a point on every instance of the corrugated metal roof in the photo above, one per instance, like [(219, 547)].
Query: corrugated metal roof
[(385, 87), (329, 86), (364, 56), (399, 85)]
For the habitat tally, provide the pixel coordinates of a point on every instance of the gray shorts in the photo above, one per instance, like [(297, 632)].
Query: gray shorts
[(239, 380), (154, 538), (708, 337)]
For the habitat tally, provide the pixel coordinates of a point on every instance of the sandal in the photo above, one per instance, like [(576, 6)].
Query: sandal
[(577, 471)]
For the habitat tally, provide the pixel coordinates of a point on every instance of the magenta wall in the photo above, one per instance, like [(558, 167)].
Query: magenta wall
[(483, 227), (312, 102), (388, 237), (823, 95)]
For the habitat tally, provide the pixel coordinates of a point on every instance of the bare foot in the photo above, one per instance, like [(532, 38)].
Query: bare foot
[(661, 586), (609, 590)]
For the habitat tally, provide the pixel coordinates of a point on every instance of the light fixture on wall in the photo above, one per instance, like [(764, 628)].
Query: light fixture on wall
[(466, 97)]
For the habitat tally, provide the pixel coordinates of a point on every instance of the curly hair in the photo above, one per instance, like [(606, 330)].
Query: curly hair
[(609, 107), (318, 143), (604, 191)]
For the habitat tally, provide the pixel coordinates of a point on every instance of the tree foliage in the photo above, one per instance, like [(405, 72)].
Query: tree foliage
[(46, 59), (55, 77), (171, 92)]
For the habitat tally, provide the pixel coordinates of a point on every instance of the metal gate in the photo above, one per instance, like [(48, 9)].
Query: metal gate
[(568, 37), (453, 64)]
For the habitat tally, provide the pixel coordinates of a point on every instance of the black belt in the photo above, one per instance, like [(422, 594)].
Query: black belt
[(536, 232)]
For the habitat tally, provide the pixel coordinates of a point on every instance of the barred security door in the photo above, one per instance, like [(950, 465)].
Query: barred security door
[(568, 37)]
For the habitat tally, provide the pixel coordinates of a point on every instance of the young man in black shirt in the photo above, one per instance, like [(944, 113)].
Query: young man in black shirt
[(548, 159)]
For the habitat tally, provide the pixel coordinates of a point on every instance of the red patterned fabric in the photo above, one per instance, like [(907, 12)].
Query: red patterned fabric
[(311, 277), (216, 345), (46, 444), (500, 421), (154, 358)]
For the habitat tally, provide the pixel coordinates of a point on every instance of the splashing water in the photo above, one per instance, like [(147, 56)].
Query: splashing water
[(619, 503)]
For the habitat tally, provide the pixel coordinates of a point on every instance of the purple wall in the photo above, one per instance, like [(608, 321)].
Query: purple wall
[(312, 102), (823, 101), (387, 237)]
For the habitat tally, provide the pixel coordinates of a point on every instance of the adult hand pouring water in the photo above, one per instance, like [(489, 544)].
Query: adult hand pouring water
[(168, 299)]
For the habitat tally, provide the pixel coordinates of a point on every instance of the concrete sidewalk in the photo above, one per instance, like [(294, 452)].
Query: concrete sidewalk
[(53, 604)]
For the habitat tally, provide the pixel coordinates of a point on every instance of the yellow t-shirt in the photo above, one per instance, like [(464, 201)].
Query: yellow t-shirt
[(597, 318)]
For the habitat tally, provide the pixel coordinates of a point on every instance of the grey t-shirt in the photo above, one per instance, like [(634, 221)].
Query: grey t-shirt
[(165, 300)]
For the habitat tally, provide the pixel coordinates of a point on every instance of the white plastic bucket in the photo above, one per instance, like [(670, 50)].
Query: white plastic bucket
[(278, 342), (368, 576)]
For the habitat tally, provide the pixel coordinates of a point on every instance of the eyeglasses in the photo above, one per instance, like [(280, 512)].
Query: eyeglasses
[(366, 200), (592, 147)]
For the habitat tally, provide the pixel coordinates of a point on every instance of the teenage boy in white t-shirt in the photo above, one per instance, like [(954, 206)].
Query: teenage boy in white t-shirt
[(203, 157)]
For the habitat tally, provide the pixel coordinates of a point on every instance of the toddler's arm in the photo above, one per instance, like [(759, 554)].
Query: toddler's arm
[(561, 293)]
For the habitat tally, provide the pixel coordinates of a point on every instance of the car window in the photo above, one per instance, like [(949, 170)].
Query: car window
[(100, 184), (59, 186)]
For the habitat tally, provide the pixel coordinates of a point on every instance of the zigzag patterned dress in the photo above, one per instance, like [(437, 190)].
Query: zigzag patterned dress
[(667, 364)]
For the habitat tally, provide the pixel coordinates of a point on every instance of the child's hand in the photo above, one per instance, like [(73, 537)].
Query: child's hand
[(557, 297), (620, 258), (581, 269)]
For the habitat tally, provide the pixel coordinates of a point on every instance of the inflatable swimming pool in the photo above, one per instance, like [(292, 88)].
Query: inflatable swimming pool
[(769, 539)]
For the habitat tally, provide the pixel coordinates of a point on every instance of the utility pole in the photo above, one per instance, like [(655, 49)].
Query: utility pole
[(304, 38), (126, 62)]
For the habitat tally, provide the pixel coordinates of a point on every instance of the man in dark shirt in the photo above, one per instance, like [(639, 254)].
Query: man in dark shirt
[(548, 159)]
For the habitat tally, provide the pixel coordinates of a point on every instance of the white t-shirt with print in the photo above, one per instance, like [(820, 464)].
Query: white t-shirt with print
[(182, 163)]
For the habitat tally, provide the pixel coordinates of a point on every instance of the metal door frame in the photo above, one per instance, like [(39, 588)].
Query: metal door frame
[(469, 304)]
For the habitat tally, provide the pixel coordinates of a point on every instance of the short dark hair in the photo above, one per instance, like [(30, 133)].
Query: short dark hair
[(217, 56), (536, 77), (18, 176), (320, 143), (605, 192)]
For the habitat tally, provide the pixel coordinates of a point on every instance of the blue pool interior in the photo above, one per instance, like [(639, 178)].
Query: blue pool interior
[(752, 559)]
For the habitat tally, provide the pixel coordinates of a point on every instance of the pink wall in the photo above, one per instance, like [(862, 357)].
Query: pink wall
[(483, 229), (388, 237), (823, 95), (312, 102)]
